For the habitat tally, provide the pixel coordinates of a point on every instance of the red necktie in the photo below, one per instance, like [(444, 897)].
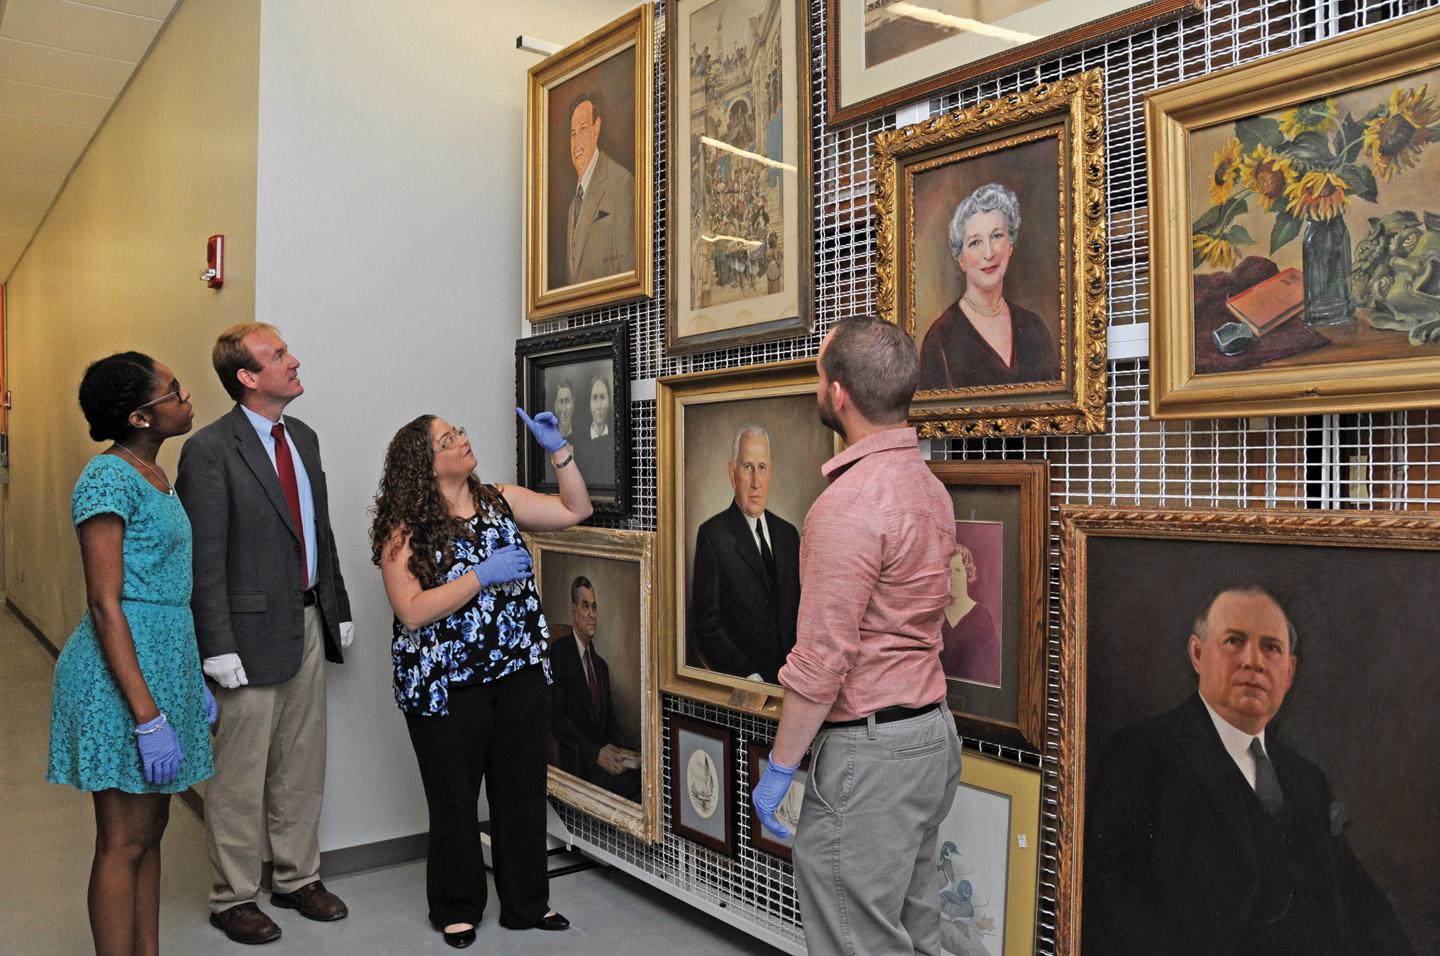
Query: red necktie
[(595, 708), (285, 468)]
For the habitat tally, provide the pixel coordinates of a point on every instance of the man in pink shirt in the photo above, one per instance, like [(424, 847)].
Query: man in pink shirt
[(864, 680)]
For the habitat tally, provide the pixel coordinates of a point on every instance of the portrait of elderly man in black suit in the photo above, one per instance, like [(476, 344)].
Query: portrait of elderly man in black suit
[(1206, 834), (587, 738), (745, 590)]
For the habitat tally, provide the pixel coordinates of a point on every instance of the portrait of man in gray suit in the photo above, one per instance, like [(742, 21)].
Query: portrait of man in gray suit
[(600, 224), (270, 608)]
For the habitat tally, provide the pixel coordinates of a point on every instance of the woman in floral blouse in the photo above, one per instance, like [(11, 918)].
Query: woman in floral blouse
[(471, 660)]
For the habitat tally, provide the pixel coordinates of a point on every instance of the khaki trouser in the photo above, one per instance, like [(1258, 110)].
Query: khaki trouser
[(269, 777)]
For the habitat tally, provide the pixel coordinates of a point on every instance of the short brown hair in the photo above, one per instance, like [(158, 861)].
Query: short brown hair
[(231, 354), (877, 364)]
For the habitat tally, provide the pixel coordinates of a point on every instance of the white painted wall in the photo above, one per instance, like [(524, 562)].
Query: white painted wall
[(389, 248)]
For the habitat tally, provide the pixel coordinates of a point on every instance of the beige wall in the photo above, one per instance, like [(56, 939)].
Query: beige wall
[(115, 266)]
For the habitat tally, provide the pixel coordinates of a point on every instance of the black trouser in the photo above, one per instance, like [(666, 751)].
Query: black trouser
[(498, 733)]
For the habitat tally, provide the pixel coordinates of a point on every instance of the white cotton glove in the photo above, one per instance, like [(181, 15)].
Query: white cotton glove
[(347, 633), (225, 670)]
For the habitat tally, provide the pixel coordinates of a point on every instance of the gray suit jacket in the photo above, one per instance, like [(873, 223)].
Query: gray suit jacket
[(247, 598), (601, 241)]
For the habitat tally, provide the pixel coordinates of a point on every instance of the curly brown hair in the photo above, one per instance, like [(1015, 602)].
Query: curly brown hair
[(410, 508)]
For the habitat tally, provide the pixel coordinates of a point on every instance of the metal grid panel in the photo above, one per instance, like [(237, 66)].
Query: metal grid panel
[(1294, 462)]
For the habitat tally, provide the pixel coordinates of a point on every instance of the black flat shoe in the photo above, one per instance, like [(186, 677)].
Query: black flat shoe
[(553, 921), (461, 939)]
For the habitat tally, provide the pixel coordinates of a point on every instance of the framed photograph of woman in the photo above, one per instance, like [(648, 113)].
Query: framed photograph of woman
[(882, 53), (596, 589), (1296, 269), (740, 202), (1249, 750), (590, 181), (991, 254), (994, 625), (739, 456), (582, 375), (702, 784)]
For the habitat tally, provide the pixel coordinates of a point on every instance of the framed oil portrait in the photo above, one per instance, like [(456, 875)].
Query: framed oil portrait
[(596, 589), (994, 626), (788, 813), (1188, 634), (582, 375), (991, 254), (702, 784), (736, 448), (740, 186), (589, 186), (1295, 267), (881, 53), (987, 860)]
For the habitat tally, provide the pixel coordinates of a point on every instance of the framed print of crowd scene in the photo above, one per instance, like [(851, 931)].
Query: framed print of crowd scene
[(590, 183), (582, 376), (740, 454), (991, 255), (595, 586), (739, 189), (1304, 273), (1272, 782)]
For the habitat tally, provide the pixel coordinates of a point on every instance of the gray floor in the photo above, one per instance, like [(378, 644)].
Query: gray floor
[(47, 833)]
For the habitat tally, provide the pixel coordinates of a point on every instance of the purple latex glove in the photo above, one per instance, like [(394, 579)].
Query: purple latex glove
[(546, 429), (212, 709), (159, 750), (774, 784), (510, 563)]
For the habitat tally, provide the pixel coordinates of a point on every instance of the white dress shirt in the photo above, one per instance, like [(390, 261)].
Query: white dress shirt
[(1236, 743)]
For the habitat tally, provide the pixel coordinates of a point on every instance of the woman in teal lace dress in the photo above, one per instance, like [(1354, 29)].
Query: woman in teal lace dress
[(130, 706)]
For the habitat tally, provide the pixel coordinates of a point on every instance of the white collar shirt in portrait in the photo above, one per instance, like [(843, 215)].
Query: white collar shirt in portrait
[(1236, 743)]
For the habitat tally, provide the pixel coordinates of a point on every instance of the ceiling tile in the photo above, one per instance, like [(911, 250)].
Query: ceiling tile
[(18, 131), (28, 180), (15, 234), (29, 157), (62, 69), (158, 9), (50, 105), (19, 212), (79, 27), (8, 259)]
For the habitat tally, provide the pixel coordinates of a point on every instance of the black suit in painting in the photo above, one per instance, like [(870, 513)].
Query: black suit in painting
[(741, 620), (577, 731), (1182, 859)]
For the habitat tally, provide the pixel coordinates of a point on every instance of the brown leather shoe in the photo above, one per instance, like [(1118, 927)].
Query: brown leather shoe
[(313, 901), (245, 923)]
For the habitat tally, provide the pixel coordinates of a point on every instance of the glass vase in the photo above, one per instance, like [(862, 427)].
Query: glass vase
[(1325, 267)]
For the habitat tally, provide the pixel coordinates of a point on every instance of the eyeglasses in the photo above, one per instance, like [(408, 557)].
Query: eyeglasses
[(172, 392), (451, 439)]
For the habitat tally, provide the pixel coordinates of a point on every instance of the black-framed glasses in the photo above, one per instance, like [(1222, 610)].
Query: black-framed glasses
[(451, 439), (172, 392)]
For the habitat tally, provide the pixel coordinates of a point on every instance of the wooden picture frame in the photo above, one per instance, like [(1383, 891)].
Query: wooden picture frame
[(1355, 742), (997, 691), (988, 857), (758, 759), (918, 59), (569, 373), (1038, 157), (702, 784), (620, 566), (710, 655), (740, 211), (1279, 170), (592, 247)]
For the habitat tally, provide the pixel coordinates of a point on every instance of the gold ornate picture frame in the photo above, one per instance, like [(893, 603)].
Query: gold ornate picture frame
[(619, 569), (1026, 173), (592, 245), (1294, 249)]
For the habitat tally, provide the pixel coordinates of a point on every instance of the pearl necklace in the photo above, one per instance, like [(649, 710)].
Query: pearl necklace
[(152, 471), (988, 313)]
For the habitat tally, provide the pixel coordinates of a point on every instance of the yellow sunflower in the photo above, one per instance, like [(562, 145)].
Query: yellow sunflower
[(1394, 139), (1267, 174), (1226, 171), (1316, 195), (1317, 116), (1217, 252)]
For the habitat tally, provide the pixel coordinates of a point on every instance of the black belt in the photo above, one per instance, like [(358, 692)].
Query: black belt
[(310, 597), (888, 715)]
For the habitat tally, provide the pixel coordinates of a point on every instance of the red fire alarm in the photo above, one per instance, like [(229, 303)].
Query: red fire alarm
[(214, 274)]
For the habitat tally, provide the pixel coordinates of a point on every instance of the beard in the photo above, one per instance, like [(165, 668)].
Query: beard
[(828, 419)]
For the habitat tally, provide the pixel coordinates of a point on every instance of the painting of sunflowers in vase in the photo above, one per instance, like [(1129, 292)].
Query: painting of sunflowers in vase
[(1315, 230)]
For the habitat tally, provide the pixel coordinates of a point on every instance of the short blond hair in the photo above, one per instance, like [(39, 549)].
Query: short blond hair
[(231, 354)]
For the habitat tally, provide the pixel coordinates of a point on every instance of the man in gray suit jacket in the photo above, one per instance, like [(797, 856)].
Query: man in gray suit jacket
[(600, 228), (270, 608)]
